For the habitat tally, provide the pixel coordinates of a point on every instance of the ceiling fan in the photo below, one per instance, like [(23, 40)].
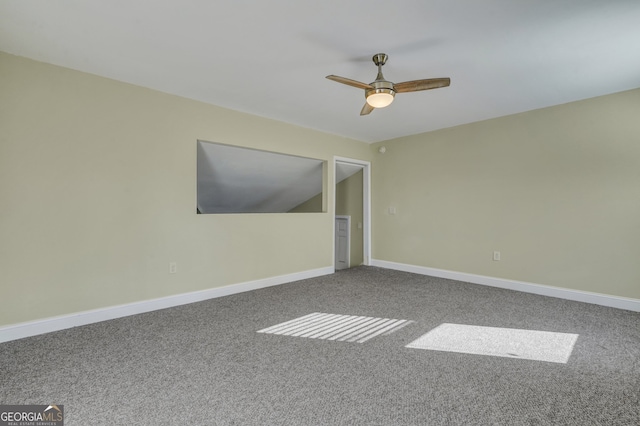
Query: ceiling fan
[(380, 93)]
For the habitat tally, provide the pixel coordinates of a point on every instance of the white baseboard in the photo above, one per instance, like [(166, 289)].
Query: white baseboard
[(544, 290), (47, 325)]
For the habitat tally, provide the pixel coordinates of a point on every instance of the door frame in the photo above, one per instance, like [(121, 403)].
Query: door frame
[(366, 206)]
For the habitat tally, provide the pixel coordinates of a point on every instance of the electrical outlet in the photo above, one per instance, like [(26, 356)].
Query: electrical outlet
[(173, 267), (496, 255)]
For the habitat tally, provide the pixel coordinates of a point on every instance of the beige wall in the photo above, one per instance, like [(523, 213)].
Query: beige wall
[(556, 191), (98, 187), (349, 203), (312, 205)]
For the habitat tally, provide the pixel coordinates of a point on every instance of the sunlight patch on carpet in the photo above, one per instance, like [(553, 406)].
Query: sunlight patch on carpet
[(342, 328), (504, 342)]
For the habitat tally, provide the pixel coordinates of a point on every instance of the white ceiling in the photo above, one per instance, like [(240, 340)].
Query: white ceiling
[(270, 58)]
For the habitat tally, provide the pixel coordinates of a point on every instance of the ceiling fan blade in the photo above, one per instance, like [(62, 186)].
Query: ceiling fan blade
[(417, 85), (366, 109), (349, 82)]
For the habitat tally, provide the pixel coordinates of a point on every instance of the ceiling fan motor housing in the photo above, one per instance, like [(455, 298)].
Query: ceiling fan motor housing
[(380, 87)]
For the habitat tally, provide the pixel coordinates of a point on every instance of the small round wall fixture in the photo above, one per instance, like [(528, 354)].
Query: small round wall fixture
[(382, 150)]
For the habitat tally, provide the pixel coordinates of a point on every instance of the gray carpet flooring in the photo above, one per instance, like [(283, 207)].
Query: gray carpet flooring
[(206, 364)]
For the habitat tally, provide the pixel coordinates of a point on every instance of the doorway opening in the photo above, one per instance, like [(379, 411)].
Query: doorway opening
[(352, 198)]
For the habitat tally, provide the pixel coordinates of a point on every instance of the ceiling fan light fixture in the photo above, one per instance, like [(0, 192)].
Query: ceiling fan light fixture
[(380, 92), (380, 98)]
